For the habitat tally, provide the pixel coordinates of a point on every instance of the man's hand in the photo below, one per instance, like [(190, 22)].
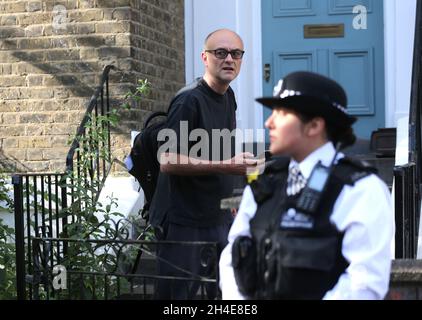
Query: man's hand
[(242, 164)]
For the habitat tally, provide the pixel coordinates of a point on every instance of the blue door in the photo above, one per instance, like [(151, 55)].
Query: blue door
[(327, 37)]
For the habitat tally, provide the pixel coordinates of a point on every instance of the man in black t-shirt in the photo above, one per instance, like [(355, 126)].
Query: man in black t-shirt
[(196, 171)]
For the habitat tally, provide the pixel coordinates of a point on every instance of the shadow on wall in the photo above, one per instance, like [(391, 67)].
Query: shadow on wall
[(79, 79), (11, 165)]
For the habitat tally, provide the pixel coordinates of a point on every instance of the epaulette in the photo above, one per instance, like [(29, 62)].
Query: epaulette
[(351, 170)]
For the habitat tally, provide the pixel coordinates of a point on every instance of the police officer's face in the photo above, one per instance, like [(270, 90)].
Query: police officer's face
[(287, 133), (222, 70)]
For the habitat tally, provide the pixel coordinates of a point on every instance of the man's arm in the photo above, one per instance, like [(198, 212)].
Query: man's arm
[(178, 164)]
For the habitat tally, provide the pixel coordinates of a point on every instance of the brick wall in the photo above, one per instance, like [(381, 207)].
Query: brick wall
[(51, 57)]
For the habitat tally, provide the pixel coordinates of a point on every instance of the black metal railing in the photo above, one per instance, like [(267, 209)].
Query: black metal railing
[(41, 199), (96, 154), (102, 262), (109, 274), (407, 207)]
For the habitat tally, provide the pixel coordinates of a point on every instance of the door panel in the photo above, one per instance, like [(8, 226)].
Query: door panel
[(292, 61), (355, 59), (354, 70), (346, 6), (292, 8)]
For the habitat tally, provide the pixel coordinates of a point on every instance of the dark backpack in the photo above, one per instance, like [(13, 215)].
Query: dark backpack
[(146, 167), (144, 157)]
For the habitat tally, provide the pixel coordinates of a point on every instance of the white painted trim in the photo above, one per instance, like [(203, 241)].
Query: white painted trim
[(249, 83), (399, 22), (390, 59), (189, 41), (257, 62)]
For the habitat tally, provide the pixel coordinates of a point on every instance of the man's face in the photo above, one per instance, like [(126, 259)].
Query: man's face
[(287, 133), (225, 70)]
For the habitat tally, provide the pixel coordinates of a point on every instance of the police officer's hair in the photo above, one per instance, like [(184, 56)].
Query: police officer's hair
[(345, 136), (335, 133)]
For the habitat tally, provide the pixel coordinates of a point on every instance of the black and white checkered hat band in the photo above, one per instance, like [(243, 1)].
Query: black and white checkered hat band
[(291, 93)]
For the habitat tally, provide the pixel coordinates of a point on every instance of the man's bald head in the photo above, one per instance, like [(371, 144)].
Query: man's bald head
[(209, 40)]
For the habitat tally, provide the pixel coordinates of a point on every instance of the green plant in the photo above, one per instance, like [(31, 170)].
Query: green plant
[(142, 89), (4, 193), (7, 247), (91, 219)]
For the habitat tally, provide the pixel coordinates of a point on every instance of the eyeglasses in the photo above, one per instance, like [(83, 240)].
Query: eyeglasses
[(223, 53)]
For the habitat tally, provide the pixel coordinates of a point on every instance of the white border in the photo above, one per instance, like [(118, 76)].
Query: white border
[(399, 34)]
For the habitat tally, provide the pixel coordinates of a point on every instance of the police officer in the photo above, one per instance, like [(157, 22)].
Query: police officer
[(315, 224)]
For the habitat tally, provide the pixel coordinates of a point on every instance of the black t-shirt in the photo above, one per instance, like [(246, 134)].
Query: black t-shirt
[(195, 200)]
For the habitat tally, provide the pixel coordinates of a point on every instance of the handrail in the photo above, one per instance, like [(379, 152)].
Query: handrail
[(40, 197), (406, 207), (91, 106)]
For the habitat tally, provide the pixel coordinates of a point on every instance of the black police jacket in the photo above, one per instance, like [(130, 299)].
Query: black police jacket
[(298, 256)]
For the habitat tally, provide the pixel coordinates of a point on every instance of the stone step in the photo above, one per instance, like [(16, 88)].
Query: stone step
[(405, 280)]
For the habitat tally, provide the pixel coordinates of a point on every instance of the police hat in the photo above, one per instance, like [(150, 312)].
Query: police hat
[(311, 94)]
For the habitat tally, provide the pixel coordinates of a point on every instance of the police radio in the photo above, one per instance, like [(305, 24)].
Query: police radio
[(311, 195)]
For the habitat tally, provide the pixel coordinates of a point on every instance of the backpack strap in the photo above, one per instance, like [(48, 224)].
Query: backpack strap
[(190, 86), (145, 211), (154, 115), (193, 85)]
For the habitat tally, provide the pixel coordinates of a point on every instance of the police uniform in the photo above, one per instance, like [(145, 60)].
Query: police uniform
[(341, 251)]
